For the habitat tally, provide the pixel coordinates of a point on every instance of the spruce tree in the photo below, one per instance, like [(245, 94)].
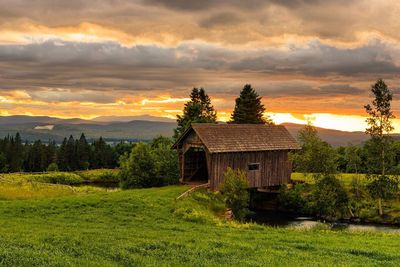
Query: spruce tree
[(248, 108), (15, 153), (3, 163), (102, 155), (70, 154), (61, 156), (51, 152), (198, 110), (82, 151)]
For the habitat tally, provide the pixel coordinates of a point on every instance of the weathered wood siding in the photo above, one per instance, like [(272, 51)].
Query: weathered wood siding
[(274, 169)]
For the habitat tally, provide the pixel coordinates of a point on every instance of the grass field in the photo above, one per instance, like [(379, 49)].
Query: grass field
[(148, 227)]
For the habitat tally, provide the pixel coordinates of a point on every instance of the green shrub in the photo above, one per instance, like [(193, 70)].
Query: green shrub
[(150, 165), (358, 196), (383, 187), (330, 198), (234, 190), (166, 160), (53, 167), (295, 199), (138, 169)]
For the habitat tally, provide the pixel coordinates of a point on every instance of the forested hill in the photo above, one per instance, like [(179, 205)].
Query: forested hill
[(128, 128), (47, 128)]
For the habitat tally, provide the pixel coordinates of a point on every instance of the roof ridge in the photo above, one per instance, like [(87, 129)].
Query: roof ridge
[(219, 138)]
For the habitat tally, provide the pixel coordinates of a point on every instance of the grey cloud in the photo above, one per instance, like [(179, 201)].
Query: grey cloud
[(109, 67), (68, 95), (208, 4), (269, 18), (84, 54), (306, 89), (235, 4), (340, 89), (319, 59), (221, 19), (313, 59)]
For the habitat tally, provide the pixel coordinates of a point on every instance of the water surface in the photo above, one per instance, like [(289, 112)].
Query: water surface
[(283, 219)]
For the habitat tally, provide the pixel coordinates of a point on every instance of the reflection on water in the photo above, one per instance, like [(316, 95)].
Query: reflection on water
[(282, 219)]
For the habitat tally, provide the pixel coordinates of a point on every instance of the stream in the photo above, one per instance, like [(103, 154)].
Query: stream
[(284, 219)]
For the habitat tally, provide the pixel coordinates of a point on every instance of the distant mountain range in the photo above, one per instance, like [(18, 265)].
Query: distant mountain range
[(130, 128), (48, 128)]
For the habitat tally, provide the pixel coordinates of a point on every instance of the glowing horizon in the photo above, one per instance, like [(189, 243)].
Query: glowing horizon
[(322, 120)]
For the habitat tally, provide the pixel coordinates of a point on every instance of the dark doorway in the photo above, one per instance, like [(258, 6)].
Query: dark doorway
[(195, 165)]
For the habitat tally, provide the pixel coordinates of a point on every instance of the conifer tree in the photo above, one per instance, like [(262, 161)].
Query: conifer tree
[(248, 108), (16, 153), (61, 156), (51, 152), (3, 163), (102, 155), (82, 151), (70, 154), (198, 110)]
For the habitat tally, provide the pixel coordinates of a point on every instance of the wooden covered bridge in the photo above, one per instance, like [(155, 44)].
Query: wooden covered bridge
[(207, 150)]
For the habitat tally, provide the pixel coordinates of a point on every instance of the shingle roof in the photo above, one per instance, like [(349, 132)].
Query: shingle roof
[(243, 137)]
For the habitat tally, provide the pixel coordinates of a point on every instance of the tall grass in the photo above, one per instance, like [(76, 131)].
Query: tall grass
[(38, 187), (67, 178)]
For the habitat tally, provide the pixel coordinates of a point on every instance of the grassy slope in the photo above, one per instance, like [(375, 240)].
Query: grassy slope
[(137, 227)]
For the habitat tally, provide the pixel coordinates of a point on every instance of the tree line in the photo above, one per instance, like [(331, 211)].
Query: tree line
[(71, 155), (378, 158)]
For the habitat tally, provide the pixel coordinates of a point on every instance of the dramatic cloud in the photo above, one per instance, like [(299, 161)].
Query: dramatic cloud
[(117, 57)]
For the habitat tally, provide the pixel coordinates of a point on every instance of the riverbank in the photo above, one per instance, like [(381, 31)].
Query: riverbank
[(285, 219)]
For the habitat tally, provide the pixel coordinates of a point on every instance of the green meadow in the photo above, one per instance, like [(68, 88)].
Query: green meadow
[(61, 225)]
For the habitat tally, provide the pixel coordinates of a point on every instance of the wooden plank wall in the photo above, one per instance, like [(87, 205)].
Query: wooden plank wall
[(275, 167)]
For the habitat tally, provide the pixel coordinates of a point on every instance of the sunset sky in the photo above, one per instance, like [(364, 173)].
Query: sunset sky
[(309, 59)]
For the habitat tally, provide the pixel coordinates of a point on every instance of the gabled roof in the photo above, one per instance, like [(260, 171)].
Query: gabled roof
[(241, 137)]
